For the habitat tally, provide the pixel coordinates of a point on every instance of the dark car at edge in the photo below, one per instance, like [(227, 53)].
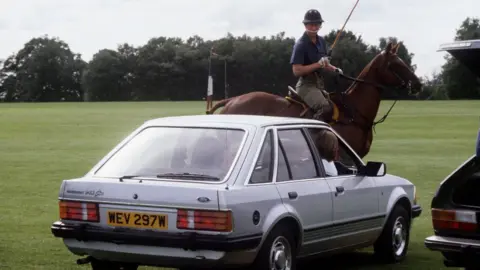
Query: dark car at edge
[(456, 204)]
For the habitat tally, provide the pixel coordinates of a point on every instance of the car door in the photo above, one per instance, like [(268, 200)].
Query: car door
[(302, 189), (355, 198)]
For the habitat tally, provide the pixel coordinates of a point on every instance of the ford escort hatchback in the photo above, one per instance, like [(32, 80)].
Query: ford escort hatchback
[(220, 191)]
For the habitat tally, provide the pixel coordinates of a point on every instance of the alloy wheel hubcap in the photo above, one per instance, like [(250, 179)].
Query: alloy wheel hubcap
[(280, 254), (399, 236)]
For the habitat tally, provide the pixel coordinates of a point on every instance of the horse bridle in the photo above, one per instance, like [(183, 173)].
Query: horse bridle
[(403, 85)]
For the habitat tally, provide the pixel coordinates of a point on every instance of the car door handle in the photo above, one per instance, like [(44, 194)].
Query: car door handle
[(340, 190), (292, 195)]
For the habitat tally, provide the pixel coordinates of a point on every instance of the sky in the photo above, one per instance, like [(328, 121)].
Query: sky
[(90, 25)]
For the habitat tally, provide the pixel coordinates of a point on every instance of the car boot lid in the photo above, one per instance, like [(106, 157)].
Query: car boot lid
[(141, 192), (465, 51)]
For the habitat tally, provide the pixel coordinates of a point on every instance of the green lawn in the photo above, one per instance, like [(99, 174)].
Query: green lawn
[(41, 144)]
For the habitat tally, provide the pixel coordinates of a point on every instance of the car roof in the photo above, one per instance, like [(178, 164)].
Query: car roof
[(230, 120)]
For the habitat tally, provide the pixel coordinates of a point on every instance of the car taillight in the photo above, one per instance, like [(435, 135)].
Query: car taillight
[(204, 220), (454, 220), (79, 211)]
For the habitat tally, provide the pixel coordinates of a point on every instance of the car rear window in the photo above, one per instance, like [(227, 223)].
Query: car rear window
[(176, 150)]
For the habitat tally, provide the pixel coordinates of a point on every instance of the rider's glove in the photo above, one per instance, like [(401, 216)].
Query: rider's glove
[(323, 61), (338, 70)]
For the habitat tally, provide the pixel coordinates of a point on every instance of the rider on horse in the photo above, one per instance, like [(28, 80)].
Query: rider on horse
[(310, 54)]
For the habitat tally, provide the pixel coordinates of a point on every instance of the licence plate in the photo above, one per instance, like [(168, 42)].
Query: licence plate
[(137, 220)]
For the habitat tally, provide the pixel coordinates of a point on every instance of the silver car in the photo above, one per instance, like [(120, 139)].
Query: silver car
[(210, 191)]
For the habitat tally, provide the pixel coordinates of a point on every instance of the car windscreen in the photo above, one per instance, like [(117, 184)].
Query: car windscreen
[(176, 152)]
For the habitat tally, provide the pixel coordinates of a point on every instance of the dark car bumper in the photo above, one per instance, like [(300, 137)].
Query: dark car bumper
[(461, 252), (187, 241), (452, 244), (416, 211)]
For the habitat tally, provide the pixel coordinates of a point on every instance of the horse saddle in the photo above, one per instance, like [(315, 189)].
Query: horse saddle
[(293, 96)]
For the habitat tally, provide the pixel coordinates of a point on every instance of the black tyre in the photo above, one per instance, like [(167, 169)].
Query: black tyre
[(392, 245), (103, 265), (128, 267), (278, 252)]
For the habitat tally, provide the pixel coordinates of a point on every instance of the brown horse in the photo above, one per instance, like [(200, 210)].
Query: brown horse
[(355, 109)]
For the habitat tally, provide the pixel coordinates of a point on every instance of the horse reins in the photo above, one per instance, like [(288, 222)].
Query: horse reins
[(377, 85)]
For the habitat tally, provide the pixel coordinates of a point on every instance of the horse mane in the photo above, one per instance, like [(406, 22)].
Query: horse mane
[(362, 74)]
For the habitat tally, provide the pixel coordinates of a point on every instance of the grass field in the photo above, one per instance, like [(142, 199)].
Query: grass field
[(41, 144)]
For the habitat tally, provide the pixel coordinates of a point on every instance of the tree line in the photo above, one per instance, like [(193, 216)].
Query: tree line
[(169, 68)]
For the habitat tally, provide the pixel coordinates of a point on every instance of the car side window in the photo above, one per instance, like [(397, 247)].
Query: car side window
[(346, 164), (297, 156), (337, 159), (283, 172), (263, 170)]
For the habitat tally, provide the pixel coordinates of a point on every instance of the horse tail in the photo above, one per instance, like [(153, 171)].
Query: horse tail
[(219, 104)]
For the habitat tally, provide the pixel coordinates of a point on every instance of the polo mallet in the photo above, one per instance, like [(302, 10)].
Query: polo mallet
[(329, 54)]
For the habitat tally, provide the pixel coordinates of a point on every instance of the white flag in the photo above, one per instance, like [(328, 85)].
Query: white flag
[(210, 86)]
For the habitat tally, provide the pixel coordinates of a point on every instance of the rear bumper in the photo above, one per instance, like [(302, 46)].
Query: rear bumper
[(186, 241), (416, 211), (458, 252), (451, 244)]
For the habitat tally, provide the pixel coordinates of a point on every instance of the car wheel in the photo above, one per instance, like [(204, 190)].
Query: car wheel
[(278, 252), (392, 245), (128, 267), (101, 265)]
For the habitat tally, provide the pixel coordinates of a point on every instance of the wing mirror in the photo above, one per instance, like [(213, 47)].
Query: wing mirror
[(373, 169)]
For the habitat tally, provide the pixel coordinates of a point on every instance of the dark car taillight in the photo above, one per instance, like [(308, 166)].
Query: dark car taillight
[(80, 211), (461, 220)]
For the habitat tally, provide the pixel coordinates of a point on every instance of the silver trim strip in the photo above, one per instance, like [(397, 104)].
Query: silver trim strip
[(136, 204)]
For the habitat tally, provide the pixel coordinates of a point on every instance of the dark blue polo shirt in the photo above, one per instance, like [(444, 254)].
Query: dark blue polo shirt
[(305, 52)]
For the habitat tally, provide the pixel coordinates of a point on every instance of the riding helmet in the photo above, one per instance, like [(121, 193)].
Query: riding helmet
[(312, 16)]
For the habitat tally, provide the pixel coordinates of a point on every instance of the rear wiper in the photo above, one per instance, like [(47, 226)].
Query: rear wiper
[(133, 176), (188, 175)]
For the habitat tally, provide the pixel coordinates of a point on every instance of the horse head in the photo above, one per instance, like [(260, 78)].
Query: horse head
[(392, 71)]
